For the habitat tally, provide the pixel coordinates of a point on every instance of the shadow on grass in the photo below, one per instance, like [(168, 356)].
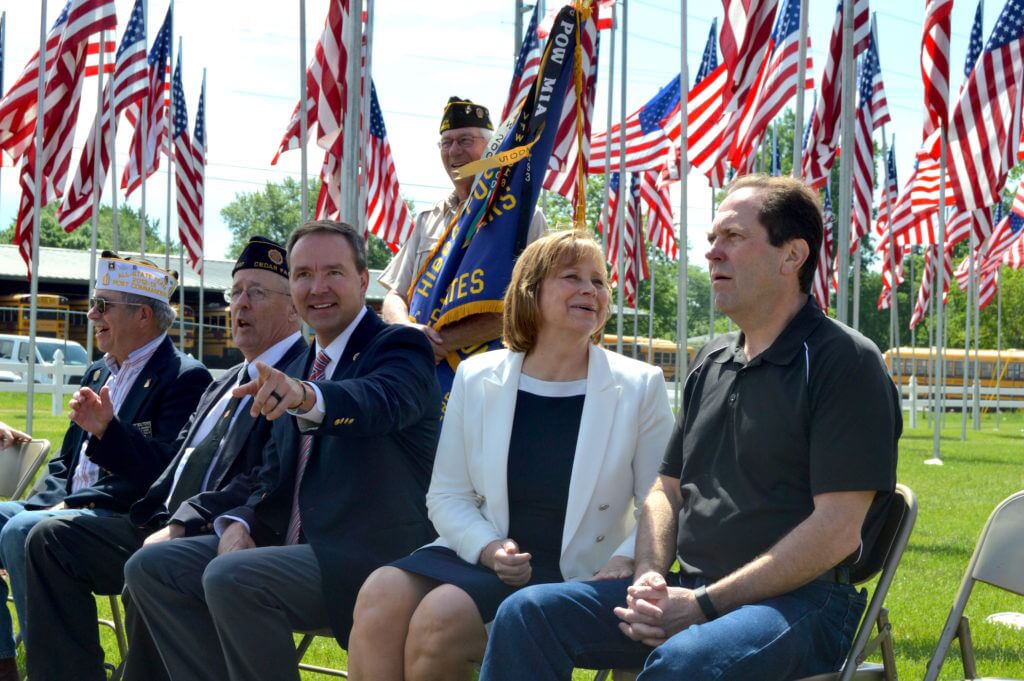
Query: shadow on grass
[(923, 648), (948, 550)]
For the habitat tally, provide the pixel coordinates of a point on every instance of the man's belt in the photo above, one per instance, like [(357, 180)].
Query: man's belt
[(840, 574)]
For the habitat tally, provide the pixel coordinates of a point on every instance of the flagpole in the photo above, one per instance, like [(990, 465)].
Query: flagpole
[(115, 235), (145, 141), (96, 187), (367, 80), (169, 132), (202, 231), (620, 212), (682, 328), (845, 167), (999, 338), (976, 406), (913, 342), (940, 281), (650, 308), (608, 127), (894, 330), (349, 176), (519, 30), (968, 301), (36, 221), (303, 113), (801, 78)]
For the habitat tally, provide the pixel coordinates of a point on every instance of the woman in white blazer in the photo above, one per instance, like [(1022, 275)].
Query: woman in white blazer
[(546, 453)]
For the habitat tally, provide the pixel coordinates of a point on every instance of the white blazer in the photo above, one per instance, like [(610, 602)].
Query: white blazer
[(624, 428)]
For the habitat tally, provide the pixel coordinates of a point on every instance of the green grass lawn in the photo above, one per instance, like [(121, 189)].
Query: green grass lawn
[(954, 501)]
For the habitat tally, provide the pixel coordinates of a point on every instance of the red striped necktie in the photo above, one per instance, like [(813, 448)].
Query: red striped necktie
[(294, 522)]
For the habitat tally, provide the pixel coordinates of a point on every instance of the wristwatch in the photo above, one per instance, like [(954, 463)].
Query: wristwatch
[(704, 601)]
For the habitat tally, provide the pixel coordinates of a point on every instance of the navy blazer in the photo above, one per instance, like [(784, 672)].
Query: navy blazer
[(363, 492), (233, 475), (138, 443)]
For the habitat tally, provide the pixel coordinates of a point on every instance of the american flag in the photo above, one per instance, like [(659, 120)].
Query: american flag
[(935, 60), (776, 84), (1014, 256), (92, 57), (872, 113), (527, 66), (1018, 200), (819, 287), (326, 96), (3, 32), (199, 162), (820, 151), (985, 127), (927, 278), (387, 213), (991, 251), (156, 123), (889, 192), (705, 108), (885, 296), (654, 191), (129, 87), (648, 145), (62, 95), (568, 160), (632, 238), (190, 225), (77, 21), (745, 32), (960, 224)]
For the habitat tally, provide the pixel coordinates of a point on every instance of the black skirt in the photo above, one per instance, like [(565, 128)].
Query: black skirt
[(485, 588)]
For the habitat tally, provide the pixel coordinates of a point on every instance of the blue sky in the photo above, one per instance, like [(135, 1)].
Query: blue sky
[(423, 52)]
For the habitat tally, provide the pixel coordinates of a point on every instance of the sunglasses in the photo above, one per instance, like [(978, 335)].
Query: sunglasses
[(101, 304)]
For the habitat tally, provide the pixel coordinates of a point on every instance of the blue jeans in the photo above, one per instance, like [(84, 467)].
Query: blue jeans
[(15, 523), (549, 629)]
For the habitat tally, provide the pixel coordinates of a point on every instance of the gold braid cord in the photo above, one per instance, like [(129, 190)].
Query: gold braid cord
[(583, 10)]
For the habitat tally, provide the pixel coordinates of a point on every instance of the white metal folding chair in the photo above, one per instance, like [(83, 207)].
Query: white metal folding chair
[(998, 560), (883, 561), (19, 464)]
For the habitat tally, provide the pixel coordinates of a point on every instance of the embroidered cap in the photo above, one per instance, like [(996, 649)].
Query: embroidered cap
[(135, 275), (262, 253), (462, 113)]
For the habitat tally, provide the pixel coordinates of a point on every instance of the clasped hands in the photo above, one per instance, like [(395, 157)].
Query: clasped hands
[(655, 611), (513, 567), (274, 393)]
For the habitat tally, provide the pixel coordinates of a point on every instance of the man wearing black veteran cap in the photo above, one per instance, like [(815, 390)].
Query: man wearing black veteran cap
[(124, 419), (217, 453), (465, 129)]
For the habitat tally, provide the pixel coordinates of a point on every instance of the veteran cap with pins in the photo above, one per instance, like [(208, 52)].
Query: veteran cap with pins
[(462, 113), (132, 274), (262, 253)]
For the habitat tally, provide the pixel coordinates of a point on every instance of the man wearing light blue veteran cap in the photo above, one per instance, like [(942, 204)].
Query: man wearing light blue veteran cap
[(135, 399)]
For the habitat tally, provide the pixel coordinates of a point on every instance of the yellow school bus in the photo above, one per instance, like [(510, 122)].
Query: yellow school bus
[(51, 314), (664, 351), (1007, 366)]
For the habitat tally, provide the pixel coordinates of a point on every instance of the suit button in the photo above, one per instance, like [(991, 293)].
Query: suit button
[(92, 505), (479, 499), (602, 507), (600, 537)]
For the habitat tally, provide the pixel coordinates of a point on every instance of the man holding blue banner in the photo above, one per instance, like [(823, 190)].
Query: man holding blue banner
[(468, 270), (465, 130)]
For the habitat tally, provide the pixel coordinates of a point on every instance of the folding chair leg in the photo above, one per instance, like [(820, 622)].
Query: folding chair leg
[(122, 639), (963, 632), (602, 675), (885, 636)]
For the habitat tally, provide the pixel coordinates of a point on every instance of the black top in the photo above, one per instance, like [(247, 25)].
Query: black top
[(541, 450), (756, 440)]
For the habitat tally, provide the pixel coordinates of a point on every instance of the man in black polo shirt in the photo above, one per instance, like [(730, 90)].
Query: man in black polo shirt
[(776, 478)]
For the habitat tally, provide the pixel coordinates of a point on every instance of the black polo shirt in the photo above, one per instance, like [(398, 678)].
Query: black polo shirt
[(757, 439)]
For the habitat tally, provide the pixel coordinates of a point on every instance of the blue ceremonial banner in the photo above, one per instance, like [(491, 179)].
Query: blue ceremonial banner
[(471, 266)]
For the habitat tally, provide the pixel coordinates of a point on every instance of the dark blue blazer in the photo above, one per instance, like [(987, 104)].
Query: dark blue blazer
[(234, 471), (138, 443), (363, 494)]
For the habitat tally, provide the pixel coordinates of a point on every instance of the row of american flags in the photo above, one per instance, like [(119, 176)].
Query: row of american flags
[(729, 112)]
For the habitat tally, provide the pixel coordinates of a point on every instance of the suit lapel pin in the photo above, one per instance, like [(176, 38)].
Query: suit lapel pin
[(355, 357), (148, 381), (95, 375)]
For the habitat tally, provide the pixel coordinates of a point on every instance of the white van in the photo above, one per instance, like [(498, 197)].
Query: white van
[(15, 349)]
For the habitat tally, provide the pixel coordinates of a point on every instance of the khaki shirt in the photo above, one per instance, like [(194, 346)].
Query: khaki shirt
[(430, 226)]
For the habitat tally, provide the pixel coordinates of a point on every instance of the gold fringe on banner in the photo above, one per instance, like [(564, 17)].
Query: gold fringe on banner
[(583, 10)]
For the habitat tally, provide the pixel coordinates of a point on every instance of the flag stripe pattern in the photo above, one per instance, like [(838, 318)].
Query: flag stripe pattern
[(872, 113), (527, 66), (325, 85), (935, 59), (654, 192), (190, 228), (985, 126)]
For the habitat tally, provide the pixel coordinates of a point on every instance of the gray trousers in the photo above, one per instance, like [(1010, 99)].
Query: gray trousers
[(226, 617)]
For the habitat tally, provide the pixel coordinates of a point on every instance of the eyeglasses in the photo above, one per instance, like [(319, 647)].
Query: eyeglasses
[(101, 304), (464, 141), (257, 294)]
